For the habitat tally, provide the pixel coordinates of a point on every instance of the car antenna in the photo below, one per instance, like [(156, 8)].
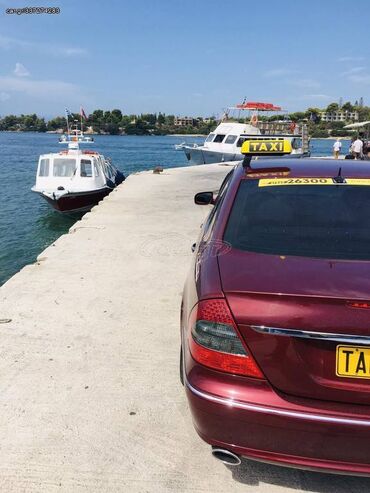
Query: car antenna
[(339, 178)]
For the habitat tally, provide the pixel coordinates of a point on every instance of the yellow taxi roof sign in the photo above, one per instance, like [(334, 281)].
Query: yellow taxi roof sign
[(262, 147)]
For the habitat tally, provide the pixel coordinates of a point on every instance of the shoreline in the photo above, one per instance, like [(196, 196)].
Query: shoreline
[(52, 132)]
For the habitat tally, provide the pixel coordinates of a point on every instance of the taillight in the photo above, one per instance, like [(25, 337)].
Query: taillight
[(214, 340)]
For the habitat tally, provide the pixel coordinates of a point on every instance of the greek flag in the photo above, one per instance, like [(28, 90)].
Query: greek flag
[(68, 113)]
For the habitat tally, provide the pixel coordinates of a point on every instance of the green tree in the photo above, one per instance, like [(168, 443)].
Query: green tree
[(347, 107), (161, 119), (117, 115), (10, 122), (313, 114), (57, 123), (112, 128), (149, 118), (138, 128), (332, 108), (297, 116)]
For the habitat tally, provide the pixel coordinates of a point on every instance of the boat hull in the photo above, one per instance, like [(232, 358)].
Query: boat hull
[(76, 202), (198, 155)]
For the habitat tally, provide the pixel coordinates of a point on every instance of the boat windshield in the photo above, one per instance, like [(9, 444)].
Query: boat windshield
[(241, 141), (230, 139), (210, 137), (86, 168), (44, 167), (64, 167)]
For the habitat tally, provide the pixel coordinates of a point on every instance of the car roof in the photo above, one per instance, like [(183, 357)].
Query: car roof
[(306, 167)]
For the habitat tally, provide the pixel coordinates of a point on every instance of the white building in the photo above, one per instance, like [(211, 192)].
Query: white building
[(339, 116), (185, 121)]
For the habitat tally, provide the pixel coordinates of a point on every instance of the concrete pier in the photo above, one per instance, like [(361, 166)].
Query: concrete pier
[(90, 398)]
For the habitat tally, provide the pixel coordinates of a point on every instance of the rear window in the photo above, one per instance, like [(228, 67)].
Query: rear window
[(306, 220)]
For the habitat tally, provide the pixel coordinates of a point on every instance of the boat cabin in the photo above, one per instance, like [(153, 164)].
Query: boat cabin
[(73, 170), (229, 137)]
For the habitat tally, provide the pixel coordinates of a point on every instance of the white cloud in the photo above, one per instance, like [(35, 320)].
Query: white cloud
[(316, 96), (305, 83), (310, 99), (350, 59), (45, 89), (360, 79), (279, 72), (20, 70), (71, 51), (4, 96), (7, 43), (353, 70)]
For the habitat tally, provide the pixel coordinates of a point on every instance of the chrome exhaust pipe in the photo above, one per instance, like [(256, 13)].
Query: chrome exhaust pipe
[(225, 456)]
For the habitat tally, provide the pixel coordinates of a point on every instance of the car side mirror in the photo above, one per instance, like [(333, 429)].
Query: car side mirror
[(203, 198)]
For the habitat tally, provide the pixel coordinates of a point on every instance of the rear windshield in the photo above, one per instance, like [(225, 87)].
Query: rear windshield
[(304, 220)]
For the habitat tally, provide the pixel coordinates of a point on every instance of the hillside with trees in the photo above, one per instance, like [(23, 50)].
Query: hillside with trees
[(114, 122)]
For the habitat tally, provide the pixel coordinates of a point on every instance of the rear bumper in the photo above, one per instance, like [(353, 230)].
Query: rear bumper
[(284, 436)]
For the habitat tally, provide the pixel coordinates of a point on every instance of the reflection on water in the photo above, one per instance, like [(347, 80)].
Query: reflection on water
[(56, 222)]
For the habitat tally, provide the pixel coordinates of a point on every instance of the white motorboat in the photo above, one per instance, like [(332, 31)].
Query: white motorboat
[(224, 143), (74, 180)]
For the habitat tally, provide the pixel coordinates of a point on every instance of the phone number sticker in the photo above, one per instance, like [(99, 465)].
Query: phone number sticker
[(273, 182), (277, 182)]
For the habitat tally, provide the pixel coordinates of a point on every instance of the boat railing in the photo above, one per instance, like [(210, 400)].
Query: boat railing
[(273, 128)]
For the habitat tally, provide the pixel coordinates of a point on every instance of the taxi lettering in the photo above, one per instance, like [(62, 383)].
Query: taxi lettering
[(266, 146)]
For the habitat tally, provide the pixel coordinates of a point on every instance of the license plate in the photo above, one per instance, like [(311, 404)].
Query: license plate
[(353, 362)]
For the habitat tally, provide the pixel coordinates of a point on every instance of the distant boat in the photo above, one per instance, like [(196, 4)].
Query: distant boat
[(83, 139), (74, 180), (224, 143)]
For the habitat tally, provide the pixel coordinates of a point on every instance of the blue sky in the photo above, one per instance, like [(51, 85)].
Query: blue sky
[(182, 56)]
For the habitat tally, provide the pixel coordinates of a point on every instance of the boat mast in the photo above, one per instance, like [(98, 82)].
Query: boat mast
[(67, 112)]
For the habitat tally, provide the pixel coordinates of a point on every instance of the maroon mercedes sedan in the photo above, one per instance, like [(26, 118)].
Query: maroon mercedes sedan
[(275, 318)]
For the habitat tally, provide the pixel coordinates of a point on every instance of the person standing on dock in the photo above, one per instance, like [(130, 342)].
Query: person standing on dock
[(337, 146), (357, 147)]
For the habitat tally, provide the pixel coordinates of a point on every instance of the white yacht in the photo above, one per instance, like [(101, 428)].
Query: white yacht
[(224, 143), (74, 180)]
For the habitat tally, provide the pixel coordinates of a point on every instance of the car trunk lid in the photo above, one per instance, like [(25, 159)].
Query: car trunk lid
[(302, 295)]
